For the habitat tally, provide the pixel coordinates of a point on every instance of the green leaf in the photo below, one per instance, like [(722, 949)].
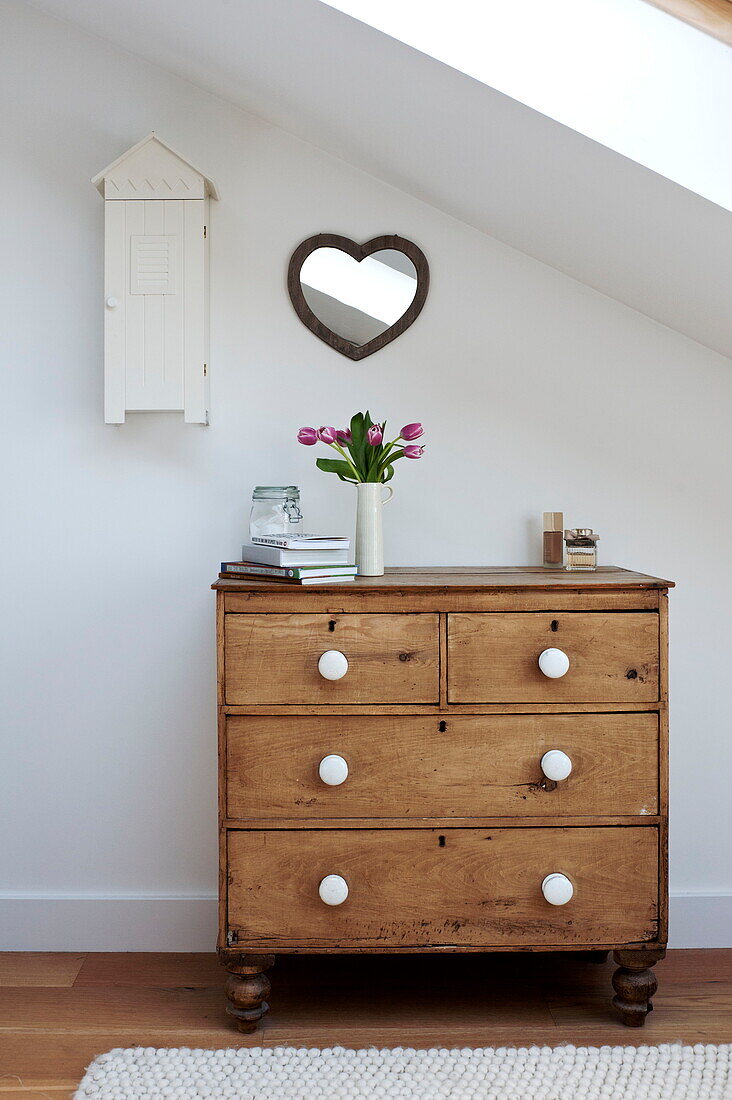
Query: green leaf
[(335, 466), (373, 463), (389, 457), (388, 474), (358, 444)]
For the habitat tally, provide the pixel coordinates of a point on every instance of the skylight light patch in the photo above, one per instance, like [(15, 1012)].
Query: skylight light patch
[(622, 72)]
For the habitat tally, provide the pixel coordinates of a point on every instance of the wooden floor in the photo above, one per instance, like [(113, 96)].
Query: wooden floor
[(57, 1012)]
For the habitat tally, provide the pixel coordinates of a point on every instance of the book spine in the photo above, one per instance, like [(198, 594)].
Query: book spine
[(257, 570), (280, 541), (271, 578)]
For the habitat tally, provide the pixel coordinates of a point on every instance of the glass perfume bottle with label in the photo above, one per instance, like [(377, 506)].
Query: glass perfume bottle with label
[(581, 549)]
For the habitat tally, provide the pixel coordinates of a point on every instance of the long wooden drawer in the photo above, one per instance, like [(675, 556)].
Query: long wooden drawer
[(462, 887), (441, 766), (494, 657), (274, 658)]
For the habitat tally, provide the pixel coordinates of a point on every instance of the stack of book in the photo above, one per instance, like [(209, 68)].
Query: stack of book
[(295, 559)]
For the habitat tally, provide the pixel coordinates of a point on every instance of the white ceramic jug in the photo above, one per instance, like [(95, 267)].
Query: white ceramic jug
[(369, 531)]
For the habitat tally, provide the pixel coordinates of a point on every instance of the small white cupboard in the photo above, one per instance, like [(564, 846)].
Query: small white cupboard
[(156, 240)]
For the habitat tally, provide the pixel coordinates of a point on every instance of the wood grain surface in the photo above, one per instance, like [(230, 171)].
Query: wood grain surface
[(434, 767), (274, 658), (340, 598), (493, 658), (444, 829), (422, 887), (482, 577), (714, 17)]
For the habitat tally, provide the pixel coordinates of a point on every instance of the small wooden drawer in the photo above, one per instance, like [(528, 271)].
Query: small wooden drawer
[(494, 658), (453, 887), (441, 766), (273, 659)]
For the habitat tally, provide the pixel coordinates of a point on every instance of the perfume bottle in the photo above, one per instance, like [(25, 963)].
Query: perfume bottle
[(553, 545), (581, 549)]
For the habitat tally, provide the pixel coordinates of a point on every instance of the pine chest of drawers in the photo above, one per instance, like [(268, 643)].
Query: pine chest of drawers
[(444, 760)]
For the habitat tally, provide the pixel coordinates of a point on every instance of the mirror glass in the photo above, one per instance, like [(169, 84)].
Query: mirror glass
[(358, 301)]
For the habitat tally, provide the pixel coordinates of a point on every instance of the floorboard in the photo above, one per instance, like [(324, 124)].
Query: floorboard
[(19, 968), (58, 1011)]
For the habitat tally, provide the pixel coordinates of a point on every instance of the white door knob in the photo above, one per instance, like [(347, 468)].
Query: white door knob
[(333, 770), (111, 303), (556, 765), (554, 663), (333, 664), (333, 890), (557, 889)]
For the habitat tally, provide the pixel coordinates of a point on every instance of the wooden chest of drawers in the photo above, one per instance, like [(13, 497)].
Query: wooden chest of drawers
[(399, 771)]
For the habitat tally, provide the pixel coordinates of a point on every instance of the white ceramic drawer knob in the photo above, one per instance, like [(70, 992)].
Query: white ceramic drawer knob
[(557, 889), (333, 890), (111, 303), (333, 664), (333, 770), (554, 663), (556, 765)]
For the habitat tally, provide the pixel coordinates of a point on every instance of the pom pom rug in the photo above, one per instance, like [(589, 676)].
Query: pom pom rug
[(667, 1072)]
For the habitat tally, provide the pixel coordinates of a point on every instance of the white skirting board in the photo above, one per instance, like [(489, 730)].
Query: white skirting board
[(121, 923), (188, 923)]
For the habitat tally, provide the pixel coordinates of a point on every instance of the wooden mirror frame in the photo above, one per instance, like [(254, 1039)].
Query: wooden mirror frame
[(358, 252)]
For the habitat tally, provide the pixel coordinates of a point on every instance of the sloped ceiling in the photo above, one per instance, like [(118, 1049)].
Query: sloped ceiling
[(461, 146)]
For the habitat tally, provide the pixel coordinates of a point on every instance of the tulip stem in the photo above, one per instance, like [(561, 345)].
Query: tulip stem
[(340, 450)]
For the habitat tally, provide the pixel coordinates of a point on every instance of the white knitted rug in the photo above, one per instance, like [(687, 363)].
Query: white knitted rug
[(298, 1073)]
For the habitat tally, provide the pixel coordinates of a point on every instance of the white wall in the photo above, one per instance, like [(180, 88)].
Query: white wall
[(537, 393), (620, 71)]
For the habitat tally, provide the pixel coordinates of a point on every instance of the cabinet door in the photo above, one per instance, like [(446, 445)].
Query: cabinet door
[(156, 308)]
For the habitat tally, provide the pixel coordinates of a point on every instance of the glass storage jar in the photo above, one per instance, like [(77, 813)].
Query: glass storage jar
[(275, 510)]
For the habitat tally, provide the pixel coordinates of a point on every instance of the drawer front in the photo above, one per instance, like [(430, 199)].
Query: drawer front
[(494, 658), (441, 766), (462, 887), (274, 658)]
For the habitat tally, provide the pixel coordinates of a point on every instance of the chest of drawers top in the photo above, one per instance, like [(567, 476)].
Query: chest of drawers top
[(455, 579)]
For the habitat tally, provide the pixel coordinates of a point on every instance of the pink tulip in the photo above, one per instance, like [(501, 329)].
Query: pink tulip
[(327, 435), (307, 436), (413, 452), (343, 435), (412, 431), (375, 435)]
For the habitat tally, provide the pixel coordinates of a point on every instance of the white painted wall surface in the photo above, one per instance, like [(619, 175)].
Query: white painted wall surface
[(537, 393), (471, 151), (622, 72)]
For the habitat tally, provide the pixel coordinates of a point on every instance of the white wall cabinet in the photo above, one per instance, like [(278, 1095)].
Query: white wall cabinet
[(156, 239)]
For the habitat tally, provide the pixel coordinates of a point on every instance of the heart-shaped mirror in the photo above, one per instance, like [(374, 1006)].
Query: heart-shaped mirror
[(358, 297)]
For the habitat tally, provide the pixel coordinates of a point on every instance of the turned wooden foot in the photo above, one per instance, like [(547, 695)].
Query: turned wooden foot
[(247, 988), (635, 983)]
